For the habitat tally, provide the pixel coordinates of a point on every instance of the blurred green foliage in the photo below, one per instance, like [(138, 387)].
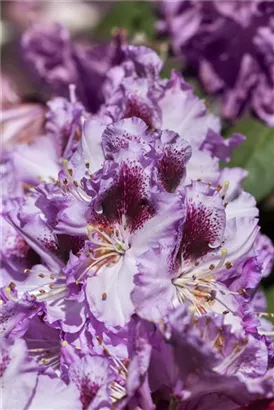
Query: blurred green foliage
[(169, 65), (256, 155), (269, 293), (134, 16)]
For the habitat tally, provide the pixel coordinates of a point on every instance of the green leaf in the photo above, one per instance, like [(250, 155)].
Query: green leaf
[(198, 89), (256, 155), (169, 65), (134, 16), (269, 294)]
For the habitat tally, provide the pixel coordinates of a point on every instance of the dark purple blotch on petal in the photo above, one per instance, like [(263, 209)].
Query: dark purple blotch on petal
[(201, 229), (136, 107), (88, 391), (126, 198), (171, 168)]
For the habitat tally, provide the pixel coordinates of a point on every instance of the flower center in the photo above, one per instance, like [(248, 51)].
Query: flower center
[(197, 291), (202, 289), (106, 246), (106, 243)]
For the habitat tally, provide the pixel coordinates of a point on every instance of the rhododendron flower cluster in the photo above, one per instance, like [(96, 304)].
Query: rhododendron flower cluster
[(130, 260), (230, 45)]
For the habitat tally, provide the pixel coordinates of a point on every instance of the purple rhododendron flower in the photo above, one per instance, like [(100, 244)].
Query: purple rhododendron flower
[(130, 259), (230, 45)]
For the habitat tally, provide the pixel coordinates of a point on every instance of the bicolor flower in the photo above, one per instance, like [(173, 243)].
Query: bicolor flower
[(126, 220), (210, 243)]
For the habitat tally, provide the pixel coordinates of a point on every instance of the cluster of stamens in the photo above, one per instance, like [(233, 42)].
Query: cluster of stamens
[(202, 289), (71, 185), (117, 387), (46, 356), (218, 343), (238, 349), (53, 290), (107, 246)]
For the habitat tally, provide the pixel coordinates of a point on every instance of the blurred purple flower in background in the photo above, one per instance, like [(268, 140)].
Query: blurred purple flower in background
[(230, 45), (57, 61)]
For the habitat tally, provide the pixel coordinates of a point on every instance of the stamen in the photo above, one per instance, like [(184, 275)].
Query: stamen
[(225, 189), (109, 246), (10, 296), (223, 257), (45, 274), (47, 356), (76, 188), (212, 267), (104, 257), (237, 351), (112, 356), (227, 308), (117, 391), (49, 295), (201, 289), (228, 265), (12, 285)]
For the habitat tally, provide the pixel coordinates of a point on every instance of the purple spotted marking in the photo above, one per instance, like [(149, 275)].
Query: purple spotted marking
[(88, 392), (202, 228), (171, 169), (126, 198), (138, 108)]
